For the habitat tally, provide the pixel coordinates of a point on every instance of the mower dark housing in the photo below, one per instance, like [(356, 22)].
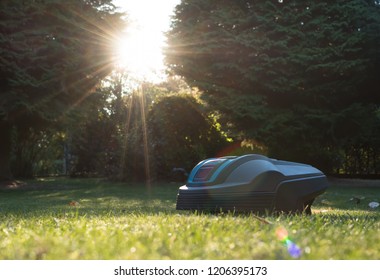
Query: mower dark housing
[(251, 183)]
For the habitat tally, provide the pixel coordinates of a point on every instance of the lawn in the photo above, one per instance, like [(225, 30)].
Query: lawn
[(57, 218)]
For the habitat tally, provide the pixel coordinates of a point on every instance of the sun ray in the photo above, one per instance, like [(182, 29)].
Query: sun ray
[(145, 139)]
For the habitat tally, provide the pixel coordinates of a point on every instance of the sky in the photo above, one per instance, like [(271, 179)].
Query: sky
[(141, 48)]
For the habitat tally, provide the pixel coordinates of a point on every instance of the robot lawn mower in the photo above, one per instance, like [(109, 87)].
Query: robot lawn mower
[(251, 183)]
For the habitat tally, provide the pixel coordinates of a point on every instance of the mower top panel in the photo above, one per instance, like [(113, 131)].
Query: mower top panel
[(229, 171)]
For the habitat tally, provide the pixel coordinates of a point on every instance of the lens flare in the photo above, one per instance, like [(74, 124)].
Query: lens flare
[(293, 250)]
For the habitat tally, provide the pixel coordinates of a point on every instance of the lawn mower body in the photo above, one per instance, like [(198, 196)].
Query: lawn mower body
[(251, 183)]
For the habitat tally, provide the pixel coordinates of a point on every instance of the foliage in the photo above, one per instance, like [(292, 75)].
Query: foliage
[(53, 53), (181, 134), (92, 131), (110, 221), (140, 134), (289, 74), (40, 153)]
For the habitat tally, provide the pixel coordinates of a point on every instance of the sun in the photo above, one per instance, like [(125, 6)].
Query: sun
[(139, 52)]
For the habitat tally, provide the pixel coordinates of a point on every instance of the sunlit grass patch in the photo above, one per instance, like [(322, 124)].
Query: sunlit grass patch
[(120, 221)]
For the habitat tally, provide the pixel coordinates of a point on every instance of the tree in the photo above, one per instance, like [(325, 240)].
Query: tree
[(52, 54), (286, 73), (99, 134), (181, 133)]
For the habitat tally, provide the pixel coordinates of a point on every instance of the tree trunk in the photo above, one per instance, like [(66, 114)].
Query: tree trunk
[(5, 151)]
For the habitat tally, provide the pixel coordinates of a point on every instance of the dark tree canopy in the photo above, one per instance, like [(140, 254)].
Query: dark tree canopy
[(295, 75), (181, 134), (52, 54)]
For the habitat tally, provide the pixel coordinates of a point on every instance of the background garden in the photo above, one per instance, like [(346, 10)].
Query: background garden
[(295, 80), (87, 151)]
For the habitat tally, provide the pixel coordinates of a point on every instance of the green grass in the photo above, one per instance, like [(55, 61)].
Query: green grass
[(121, 221)]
